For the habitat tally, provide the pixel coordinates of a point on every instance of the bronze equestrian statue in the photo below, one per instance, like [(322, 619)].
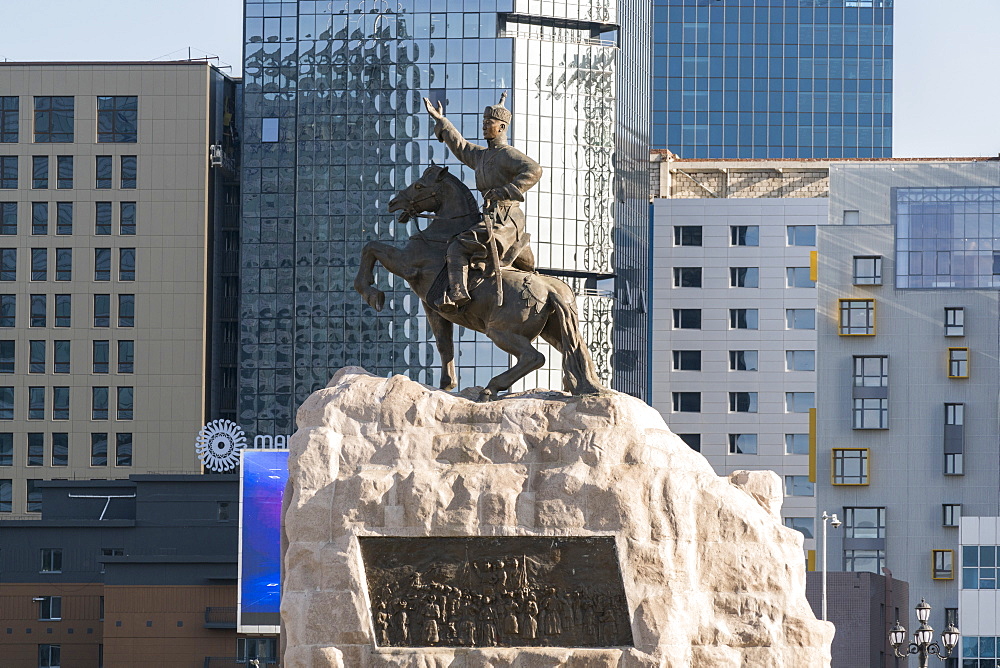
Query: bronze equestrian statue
[(475, 268)]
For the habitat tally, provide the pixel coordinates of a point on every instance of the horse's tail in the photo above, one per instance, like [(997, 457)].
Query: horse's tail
[(579, 375)]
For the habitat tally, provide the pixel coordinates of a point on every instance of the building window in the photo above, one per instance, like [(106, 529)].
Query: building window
[(36, 356), (102, 356), (799, 277), (39, 172), (871, 413), (800, 318), (799, 485), (64, 218), (6, 403), (742, 402), (687, 277), (64, 310), (6, 496), (954, 414), (64, 172), (743, 318), (60, 403), (954, 321), (126, 219), (8, 264), (857, 317), (804, 525), (8, 218), (123, 449), (850, 466), (867, 270), (99, 403), (951, 514), (223, 514), (799, 402), (102, 171), (38, 311), (102, 310), (33, 499), (117, 119), (39, 218), (864, 561), (979, 566), (686, 402), (39, 264), (744, 277), (36, 449), (743, 444), (50, 609), (800, 360), (36, 403), (9, 119), (51, 560), (126, 264), (8, 172), (742, 360), (60, 449), (8, 310), (268, 130), (684, 360), (64, 264), (7, 448), (102, 264), (864, 522), (53, 120), (958, 362), (871, 371), (130, 170), (125, 403), (6, 356), (943, 564), (852, 217), (687, 318), (801, 235), (126, 357), (953, 464), (102, 218), (693, 441), (49, 656), (60, 356), (126, 310), (687, 235), (248, 649), (744, 235), (98, 449)]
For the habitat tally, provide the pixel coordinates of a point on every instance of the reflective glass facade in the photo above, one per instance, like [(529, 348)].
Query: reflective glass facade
[(947, 237), (334, 126), (773, 78)]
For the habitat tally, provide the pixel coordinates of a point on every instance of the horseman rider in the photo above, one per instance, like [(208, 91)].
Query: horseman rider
[(503, 175)]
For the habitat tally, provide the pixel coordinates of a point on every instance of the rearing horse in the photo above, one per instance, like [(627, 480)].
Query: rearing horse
[(533, 304)]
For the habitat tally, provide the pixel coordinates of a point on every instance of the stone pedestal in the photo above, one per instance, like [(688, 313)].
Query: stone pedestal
[(710, 576)]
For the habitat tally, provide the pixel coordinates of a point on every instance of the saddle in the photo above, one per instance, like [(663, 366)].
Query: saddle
[(518, 256)]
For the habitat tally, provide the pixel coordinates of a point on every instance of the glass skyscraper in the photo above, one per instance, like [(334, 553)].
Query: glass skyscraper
[(334, 126), (773, 78)]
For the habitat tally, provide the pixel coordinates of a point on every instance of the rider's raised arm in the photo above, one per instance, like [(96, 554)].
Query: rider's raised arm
[(461, 147)]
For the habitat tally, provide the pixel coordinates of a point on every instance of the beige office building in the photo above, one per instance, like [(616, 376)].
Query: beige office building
[(113, 221)]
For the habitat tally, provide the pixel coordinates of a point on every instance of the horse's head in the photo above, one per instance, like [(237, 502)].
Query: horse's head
[(424, 194)]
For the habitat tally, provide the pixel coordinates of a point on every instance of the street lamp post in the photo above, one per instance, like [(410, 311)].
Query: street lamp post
[(834, 522), (922, 644)]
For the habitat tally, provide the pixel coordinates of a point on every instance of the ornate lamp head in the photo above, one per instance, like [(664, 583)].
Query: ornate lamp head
[(950, 637), (498, 111), (897, 636)]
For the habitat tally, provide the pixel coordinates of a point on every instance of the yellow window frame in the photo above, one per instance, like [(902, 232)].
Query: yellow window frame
[(951, 360), (934, 568), (840, 316), (833, 467)]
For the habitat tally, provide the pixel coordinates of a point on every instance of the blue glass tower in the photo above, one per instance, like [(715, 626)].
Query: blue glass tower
[(773, 78), (334, 126)]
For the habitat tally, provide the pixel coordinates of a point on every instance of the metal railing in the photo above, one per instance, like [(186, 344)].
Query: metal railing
[(235, 662), (220, 617)]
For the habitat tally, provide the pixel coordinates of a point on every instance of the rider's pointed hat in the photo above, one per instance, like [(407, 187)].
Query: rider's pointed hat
[(498, 111)]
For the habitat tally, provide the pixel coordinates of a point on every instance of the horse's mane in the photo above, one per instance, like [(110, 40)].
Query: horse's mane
[(463, 189)]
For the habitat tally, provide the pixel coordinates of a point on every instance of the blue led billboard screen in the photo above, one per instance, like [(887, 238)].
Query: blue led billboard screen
[(263, 477)]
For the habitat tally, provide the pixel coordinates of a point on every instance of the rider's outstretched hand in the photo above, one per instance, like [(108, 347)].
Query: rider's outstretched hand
[(436, 113)]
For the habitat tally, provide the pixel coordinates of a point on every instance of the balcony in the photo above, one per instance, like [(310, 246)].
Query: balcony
[(236, 662), (220, 618)]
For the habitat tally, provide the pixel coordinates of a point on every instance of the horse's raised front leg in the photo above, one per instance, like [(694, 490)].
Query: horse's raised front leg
[(444, 337), (528, 360), (389, 257)]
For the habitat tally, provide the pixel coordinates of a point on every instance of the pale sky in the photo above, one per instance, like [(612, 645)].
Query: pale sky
[(946, 79)]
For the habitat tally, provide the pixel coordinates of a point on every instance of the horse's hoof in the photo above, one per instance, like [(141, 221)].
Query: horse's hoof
[(485, 396), (375, 298), (448, 384)]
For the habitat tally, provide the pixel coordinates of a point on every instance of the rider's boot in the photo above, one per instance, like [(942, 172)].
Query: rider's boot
[(457, 294)]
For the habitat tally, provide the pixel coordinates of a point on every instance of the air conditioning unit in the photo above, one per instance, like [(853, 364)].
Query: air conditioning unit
[(215, 155)]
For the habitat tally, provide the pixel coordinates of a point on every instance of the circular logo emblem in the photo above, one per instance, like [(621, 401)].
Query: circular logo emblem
[(219, 443)]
